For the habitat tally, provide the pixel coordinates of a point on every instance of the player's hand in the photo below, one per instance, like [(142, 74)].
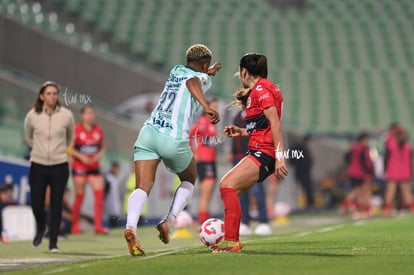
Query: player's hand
[(214, 68), (232, 131), (84, 159), (213, 115), (280, 169)]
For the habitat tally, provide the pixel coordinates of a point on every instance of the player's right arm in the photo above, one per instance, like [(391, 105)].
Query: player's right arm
[(235, 131), (194, 87), (28, 130)]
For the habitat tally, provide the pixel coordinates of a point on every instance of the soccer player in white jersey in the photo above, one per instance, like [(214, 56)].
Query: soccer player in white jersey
[(165, 136)]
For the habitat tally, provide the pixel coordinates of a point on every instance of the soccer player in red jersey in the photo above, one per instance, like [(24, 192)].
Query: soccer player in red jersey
[(398, 169), (262, 101), (87, 149), (203, 140)]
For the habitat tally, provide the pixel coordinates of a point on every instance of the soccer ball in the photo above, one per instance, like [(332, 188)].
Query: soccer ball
[(212, 231), (183, 220)]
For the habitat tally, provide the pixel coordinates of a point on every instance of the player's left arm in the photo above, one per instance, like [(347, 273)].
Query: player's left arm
[(194, 87), (277, 134), (101, 151)]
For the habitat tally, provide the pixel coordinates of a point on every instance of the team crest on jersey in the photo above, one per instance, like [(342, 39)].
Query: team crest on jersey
[(259, 88), (96, 136)]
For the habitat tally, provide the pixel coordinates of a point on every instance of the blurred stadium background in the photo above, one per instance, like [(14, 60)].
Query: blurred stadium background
[(342, 66)]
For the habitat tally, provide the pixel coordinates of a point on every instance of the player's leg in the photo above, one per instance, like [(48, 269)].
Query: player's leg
[(96, 181), (263, 228), (390, 190), (58, 180), (271, 195), (38, 184), (206, 192), (79, 182), (207, 184), (145, 171), (239, 179), (407, 196), (244, 229), (178, 158)]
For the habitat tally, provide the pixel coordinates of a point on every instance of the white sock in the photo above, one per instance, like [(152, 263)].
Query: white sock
[(136, 202), (182, 196)]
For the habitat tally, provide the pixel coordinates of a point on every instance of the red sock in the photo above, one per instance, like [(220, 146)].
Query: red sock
[(202, 217), (232, 214), (76, 212), (387, 206), (98, 209)]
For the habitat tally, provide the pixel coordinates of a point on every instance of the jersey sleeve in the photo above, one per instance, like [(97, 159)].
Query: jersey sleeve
[(205, 81)]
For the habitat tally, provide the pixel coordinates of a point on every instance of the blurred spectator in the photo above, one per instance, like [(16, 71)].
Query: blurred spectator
[(112, 195), (6, 198), (87, 149), (398, 169), (48, 130), (303, 169), (360, 172), (271, 193), (239, 149), (203, 139)]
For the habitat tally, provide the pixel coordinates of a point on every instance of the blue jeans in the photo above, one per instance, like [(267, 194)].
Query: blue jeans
[(259, 193)]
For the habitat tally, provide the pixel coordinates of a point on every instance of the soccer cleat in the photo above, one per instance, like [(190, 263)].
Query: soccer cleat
[(38, 238), (227, 246), (54, 250), (134, 246), (163, 231)]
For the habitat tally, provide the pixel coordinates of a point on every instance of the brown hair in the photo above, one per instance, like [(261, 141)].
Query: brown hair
[(242, 94), (255, 64), (38, 105)]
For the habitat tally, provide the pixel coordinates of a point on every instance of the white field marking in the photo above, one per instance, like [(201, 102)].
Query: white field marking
[(302, 234), (359, 223), (62, 269), (330, 228)]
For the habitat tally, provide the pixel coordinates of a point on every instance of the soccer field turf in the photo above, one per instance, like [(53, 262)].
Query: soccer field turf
[(376, 246)]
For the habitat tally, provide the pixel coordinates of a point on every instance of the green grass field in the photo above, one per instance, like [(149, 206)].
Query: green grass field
[(308, 245)]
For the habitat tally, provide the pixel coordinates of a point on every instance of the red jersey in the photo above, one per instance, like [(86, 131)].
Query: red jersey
[(88, 143), (360, 164), (203, 139), (399, 163), (264, 94)]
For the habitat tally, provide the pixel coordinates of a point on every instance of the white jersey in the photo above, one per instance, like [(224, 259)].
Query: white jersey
[(175, 110)]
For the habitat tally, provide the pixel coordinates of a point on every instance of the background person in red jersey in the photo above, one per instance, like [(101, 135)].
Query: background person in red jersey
[(398, 169), (262, 101), (360, 172), (203, 139), (87, 149)]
